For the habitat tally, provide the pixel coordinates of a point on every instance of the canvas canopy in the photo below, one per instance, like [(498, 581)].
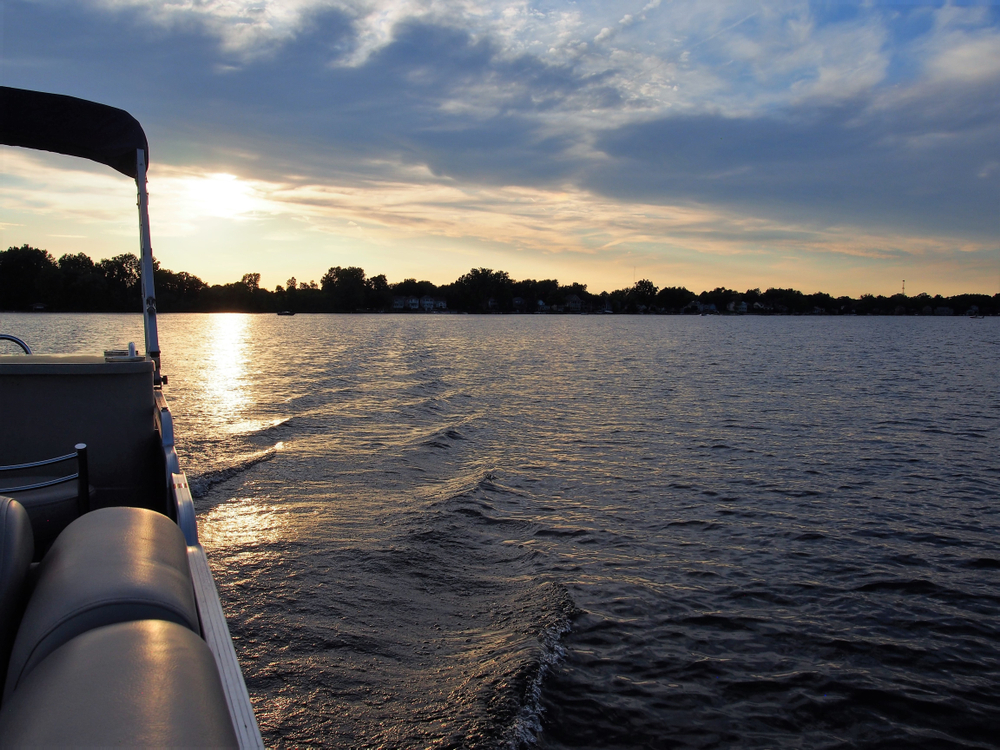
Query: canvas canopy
[(67, 125)]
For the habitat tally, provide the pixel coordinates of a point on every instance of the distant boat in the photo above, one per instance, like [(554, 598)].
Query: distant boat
[(285, 312)]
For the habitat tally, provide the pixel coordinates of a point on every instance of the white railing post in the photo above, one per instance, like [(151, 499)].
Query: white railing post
[(146, 268)]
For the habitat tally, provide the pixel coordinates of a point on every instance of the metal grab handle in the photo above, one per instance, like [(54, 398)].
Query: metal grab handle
[(82, 476), (34, 464), (16, 340)]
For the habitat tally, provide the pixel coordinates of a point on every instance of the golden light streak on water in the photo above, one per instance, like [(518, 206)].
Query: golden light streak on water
[(225, 376), (244, 522)]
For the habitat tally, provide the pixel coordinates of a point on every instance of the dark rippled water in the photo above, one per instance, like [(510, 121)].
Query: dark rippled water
[(455, 531)]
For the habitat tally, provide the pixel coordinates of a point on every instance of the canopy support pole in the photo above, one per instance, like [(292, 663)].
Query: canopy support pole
[(146, 269)]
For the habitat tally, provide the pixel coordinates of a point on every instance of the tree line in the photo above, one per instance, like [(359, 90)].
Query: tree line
[(32, 279)]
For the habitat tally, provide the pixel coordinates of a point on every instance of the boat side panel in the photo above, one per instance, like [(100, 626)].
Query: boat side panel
[(48, 409)]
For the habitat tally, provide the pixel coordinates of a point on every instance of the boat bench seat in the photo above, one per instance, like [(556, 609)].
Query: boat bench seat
[(111, 565), (147, 683), (111, 629)]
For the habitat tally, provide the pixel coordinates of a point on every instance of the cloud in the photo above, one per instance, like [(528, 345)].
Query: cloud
[(878, 168), (814, 120), (963, 56), (544, 221)]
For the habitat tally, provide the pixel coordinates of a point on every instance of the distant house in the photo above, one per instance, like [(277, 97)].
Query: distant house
[(542, 307), (573, 304), (440, 304), (943, 311), (413, 303), (519, 304), (398, 304), (427, 303), (492, 305)]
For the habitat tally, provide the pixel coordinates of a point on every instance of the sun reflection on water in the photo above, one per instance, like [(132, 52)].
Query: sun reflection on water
[(227, 394), (241, 522)]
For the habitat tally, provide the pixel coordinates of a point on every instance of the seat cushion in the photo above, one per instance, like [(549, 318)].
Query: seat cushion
[(16, 550), (111, 565), (146, 683)]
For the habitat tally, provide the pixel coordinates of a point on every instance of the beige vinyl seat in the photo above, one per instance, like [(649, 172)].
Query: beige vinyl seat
[(110, 623), (142, 683), (111, 565)]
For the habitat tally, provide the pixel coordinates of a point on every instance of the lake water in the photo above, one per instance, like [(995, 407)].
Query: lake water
[(560, 532)]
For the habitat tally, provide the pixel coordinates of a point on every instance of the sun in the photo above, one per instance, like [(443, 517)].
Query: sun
[(219, 195)]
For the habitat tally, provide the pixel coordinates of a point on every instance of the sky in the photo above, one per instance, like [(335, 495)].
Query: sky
[(833, 146)]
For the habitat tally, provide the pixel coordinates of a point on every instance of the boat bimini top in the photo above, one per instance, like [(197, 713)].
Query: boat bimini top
[(107, 135)]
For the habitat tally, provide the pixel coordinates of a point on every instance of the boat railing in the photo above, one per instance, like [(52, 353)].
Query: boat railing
[(15, 340), (80, 476)]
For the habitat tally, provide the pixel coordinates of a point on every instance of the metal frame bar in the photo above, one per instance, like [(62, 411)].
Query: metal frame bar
[(146, 266), (82, 476), (220, 642)]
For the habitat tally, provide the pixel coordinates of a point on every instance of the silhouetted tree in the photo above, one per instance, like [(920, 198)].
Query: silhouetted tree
[(378, 295), (28, 276), (785, 301), (474, 291), (177, 292), (414, 288), (83, 286), (720, 297), (344, 288), (122, 275), (546, 291), (674, 298)]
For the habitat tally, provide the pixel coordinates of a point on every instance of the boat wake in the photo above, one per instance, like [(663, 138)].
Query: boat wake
[(528, 722), (250, 428), (201, 484), (531, 613)]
